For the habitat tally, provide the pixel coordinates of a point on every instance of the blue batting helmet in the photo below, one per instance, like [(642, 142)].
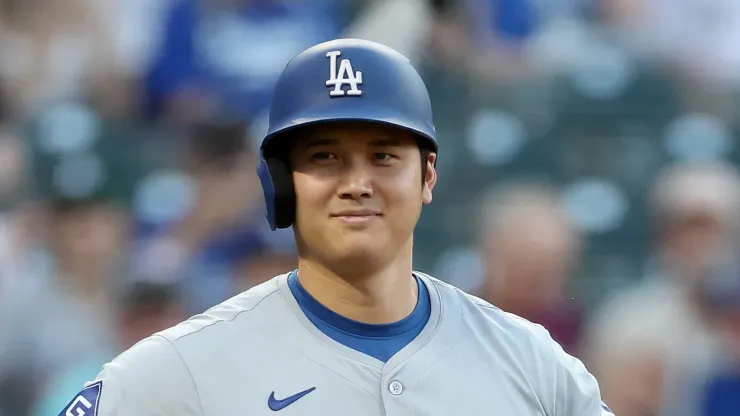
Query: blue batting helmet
[(335, 81)]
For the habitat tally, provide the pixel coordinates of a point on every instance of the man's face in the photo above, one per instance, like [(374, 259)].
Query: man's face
[(359, 192)]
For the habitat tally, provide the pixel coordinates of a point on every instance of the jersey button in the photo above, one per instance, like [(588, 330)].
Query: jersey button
[(395, 387)]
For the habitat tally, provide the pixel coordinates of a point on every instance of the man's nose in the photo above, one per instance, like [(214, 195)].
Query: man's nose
[(357, 183)]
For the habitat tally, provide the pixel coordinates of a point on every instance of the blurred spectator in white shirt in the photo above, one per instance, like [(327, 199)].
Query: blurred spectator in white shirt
[(651, 346)]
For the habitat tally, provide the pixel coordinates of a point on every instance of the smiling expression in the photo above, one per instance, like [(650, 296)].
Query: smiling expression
[(359, 190)]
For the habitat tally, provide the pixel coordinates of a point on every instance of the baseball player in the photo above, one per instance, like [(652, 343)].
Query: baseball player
[(348, 161)]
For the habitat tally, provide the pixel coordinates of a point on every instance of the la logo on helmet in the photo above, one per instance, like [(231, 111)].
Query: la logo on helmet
[(344, 75)]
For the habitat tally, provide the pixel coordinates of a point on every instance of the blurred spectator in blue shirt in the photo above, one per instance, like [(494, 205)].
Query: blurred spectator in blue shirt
[(223, 56), (507, 35), (723, 394), (506, 21), (498, 30), (721, 292), (218, 241)]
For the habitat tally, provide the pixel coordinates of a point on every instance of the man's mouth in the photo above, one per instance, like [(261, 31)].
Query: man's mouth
[(356, 215)]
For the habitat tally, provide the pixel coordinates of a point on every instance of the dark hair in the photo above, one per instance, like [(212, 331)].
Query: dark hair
[(424, 152)]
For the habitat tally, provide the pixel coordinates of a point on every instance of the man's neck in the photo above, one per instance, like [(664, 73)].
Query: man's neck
[(384, 297)]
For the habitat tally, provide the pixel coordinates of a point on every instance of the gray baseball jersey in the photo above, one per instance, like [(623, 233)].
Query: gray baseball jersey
[(257, 354)]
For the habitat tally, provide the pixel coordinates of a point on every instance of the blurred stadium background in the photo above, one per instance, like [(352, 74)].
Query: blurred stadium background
[(587, 176)]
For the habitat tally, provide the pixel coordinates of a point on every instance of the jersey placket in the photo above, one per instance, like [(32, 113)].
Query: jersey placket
[(406, 371)]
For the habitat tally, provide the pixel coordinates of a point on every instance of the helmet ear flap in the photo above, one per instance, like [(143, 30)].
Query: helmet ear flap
[(277, 184)]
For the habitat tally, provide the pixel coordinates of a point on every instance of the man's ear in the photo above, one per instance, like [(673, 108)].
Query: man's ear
[(430, 179)]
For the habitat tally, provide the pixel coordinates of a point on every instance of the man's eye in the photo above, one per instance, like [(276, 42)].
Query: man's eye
[(322, 156), (383, 156)]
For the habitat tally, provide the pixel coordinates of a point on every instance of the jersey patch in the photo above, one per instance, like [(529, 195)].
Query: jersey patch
[(86, 401)]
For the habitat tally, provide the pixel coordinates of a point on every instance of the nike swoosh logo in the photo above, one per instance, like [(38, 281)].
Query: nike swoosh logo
[(276, 404)]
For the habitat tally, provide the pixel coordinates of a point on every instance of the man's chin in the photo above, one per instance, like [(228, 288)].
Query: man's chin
[(358, 249)]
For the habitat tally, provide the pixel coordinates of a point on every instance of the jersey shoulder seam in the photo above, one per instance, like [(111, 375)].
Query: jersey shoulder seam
[(219, 320), (481, 303), (187, 368)]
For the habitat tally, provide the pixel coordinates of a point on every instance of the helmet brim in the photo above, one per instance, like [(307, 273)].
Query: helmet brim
[(356, 113)]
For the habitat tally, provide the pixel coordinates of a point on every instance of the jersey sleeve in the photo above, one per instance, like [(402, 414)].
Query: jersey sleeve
[(569, 389), (576, 390), (149, 379)]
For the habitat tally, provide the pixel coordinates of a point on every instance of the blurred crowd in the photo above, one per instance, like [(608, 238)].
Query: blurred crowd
[(588, 176)]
